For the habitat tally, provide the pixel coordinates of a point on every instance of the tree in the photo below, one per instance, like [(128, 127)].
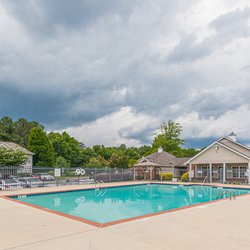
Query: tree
[(39, 144), (6, 129), (18, 131), (118, 160), (22, 129), (61, 162), (97, 162), (169, 139), (189, 152), (10, 157), (68, 147)]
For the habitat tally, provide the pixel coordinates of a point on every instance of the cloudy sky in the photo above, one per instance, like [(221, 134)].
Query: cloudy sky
[(109, 72)]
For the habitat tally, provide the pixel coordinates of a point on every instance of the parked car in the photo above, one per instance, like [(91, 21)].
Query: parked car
[(6, 184), (44, 177), (31, 182)]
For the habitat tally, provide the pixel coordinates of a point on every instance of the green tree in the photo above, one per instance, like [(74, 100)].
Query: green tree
[(22, 129), (6, 129), (118, 160), (189, 152), (97, 162), (61, 162), (17, 131), (10, 157), (39, 144), (169, 139)]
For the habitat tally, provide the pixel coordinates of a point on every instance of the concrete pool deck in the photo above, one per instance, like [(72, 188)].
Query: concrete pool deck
[(221, 225)]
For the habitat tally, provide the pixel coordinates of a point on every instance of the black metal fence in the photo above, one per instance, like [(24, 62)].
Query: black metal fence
[(12, 177)]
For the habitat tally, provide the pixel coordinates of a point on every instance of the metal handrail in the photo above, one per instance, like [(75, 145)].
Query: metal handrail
[(204, 179), (99, 183), (231, 192), (96, 182)]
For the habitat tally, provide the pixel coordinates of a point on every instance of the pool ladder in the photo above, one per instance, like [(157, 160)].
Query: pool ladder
[(99, 183), (102, 191), (231, 192)]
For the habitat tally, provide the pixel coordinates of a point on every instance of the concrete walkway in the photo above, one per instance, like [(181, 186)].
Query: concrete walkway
[(220, 225)]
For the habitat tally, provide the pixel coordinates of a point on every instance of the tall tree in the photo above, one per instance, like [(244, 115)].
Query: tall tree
[(118, 160), (170, 138), (67, 147), (22, 129), (6, 129), (39, 144)]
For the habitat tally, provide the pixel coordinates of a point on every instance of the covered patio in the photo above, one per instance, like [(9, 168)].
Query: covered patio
[(147, 170)]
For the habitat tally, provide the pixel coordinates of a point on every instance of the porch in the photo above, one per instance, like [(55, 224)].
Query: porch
[(221, 172)]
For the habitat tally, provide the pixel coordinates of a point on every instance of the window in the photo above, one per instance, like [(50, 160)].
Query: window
[(242, 172), (202, 171), (239, 172), (235, 172)]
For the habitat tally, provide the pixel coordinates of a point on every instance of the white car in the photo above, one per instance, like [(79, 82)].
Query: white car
[(7, 184), (31, 182)]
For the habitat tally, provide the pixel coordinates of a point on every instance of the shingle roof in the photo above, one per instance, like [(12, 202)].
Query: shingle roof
[(166, 159), (15, 146)]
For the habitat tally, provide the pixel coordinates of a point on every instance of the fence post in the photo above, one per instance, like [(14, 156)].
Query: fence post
[(95, 174), (110, 175), (122, 175)]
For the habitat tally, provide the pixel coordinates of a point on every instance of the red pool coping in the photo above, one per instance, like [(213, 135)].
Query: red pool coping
[(103, 225)]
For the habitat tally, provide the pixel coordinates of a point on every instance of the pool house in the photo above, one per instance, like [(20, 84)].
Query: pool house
[(149, 167), (225, 160)]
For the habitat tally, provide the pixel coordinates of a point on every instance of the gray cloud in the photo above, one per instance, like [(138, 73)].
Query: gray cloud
[(233, 24), (72, 63), (49, 16)]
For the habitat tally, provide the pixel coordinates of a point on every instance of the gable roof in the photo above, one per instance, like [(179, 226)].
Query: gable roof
[(14, 146), (164, 159), (229, 144)]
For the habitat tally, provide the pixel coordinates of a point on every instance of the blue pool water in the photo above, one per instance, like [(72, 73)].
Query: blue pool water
[(111, 204)]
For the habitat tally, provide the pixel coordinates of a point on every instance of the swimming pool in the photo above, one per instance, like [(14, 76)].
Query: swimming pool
[(120, 203)]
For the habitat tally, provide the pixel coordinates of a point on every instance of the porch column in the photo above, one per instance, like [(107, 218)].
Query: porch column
[(248, 172), (150, 169), (210, 173), (134, 173), (224, 172), (190, 168)]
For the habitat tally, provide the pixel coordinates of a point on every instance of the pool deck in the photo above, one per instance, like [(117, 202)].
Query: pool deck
[(219, 225)]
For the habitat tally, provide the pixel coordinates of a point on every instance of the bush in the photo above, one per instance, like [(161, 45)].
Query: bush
[(140, 177), (166, 176), (51, 173), (185, 177), (68, 173)]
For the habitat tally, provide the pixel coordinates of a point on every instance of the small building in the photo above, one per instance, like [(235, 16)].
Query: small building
[(149, 167), (27, 167), (225, 160)]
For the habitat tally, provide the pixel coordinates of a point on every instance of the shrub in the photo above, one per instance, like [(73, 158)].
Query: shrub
[(68, 173), (166, 176), (51, 173), (185, 177), (140, 177)]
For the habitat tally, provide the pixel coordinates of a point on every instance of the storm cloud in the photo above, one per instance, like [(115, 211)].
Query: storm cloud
[(110, 72)]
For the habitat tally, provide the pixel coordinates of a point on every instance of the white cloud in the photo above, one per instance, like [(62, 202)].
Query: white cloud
[(122, 127), (196, 126)]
